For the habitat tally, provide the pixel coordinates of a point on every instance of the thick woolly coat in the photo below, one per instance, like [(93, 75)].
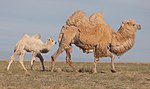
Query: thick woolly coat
[(93, 33)]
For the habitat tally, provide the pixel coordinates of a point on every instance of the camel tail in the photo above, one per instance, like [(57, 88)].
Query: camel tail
[(15, 49), (62, 33)]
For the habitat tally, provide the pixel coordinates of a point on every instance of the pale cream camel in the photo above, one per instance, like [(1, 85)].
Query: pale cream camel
[(31, 44), (93, 33)]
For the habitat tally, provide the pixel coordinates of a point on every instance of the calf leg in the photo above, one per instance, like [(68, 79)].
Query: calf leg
[(11, 60), (33, 59), (21, 60), (42, 60)]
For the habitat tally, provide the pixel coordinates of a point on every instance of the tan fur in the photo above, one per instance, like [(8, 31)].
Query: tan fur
[(93, 33), (31, 44), (97, 19), (124, 38), (36, 36), (90, 28), (78, 19)]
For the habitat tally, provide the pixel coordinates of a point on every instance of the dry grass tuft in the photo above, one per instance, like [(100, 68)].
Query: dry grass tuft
[(85, 70), (57, 70)]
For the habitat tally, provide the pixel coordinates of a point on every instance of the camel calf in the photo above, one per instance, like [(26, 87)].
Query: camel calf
[(31, 44)]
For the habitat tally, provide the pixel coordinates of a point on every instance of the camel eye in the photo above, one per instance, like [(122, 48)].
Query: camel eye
[(133, 24), (52, 41)]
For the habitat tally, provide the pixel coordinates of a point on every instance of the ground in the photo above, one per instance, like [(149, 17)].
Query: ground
[(129, 76)]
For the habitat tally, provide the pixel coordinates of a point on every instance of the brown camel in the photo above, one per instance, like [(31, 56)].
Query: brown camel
[(94, 34), (31, 44)]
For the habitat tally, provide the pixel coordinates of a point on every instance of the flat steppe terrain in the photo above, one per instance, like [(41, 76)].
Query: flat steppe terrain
[(129, 76)]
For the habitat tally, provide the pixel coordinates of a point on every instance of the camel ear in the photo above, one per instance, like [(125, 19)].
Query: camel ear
[(130, 22), (122, 24), (49, 39)]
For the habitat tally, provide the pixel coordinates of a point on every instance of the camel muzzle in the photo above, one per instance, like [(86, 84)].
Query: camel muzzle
[(139, 27)]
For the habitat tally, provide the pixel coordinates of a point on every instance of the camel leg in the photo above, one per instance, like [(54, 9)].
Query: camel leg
[(113, 69), (11, 60), (33, 59), (95, 65), (64, 44), (42, 60), (112, 56), (68, 58), (54, 56), (21, 60)]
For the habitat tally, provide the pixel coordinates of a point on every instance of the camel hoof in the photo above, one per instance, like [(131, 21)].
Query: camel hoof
[(102, 72), (113, 71), (43, 69), (76, 71), (52, 70), (31, 67), (94, 71), (27, 73), (7, 69)]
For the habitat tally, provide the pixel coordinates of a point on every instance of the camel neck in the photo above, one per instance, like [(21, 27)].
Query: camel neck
[(122, 41), (46, 47)]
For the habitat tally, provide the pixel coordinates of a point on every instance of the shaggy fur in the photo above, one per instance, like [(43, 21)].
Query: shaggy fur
[(79, 19), (97, 19), (93, 33), (124, 38), (31, 44)]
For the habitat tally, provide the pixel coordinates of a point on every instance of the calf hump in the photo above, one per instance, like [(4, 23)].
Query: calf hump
[(36, 36)]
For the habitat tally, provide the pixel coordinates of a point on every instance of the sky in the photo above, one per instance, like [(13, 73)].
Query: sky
[(46, 17)]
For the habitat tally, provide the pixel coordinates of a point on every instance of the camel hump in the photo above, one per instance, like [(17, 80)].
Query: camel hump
[(36, 36), (78, 18), (25, 36), (131, 20), (97, 18)]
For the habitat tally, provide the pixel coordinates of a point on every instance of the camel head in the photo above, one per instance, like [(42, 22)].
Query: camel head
[(50, 41), (47, 45), (131, 25)]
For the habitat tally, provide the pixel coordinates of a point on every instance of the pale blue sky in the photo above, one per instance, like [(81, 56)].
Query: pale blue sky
[(47, 16)]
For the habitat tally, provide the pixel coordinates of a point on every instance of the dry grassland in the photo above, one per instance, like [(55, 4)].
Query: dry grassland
[(129, 76)]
